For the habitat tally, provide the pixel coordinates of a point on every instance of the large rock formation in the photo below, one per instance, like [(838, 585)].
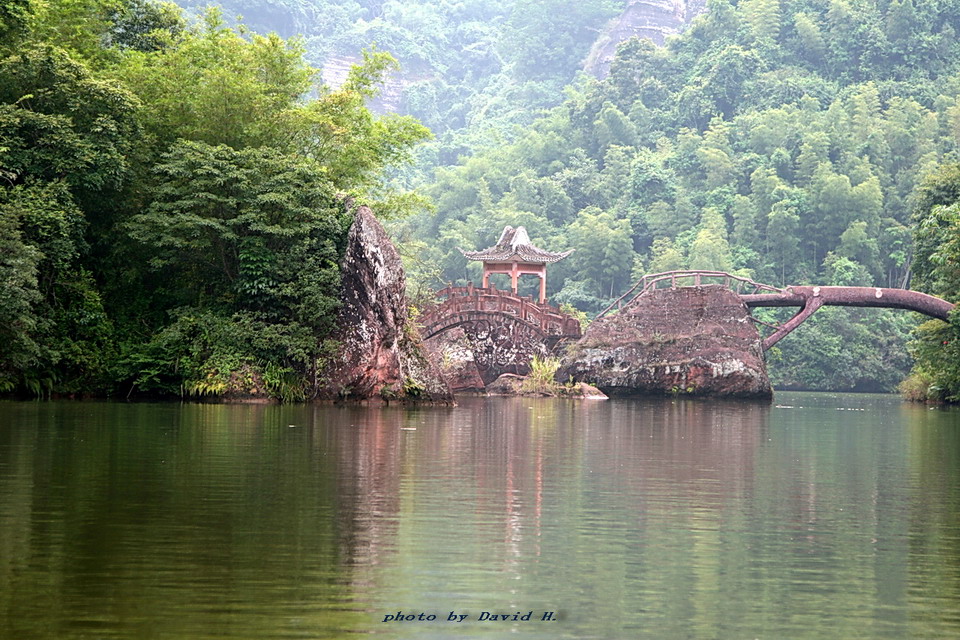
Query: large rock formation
[(380, 354), (453, 351), (689, 340), (653, 19)]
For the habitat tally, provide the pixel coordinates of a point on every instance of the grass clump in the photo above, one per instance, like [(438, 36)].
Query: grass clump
[(541, 377)]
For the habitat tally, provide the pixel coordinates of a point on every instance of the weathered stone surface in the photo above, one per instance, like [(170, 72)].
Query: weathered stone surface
[(496, 331), (588, 392), (390, 98), (510, 384), (653, 19), (504, 345), (380, 352), (689, 340), (453, 351)]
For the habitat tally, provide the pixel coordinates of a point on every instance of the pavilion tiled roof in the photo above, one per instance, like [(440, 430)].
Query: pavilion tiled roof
[(514, 246)]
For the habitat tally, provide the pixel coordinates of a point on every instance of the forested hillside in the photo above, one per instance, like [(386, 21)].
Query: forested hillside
[(783, 140), (169, 217), (795, 141), (471, 69)]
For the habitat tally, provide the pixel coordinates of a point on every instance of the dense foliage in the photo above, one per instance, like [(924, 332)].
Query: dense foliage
[(936, 374), (169, 217), (779, 139), (471, 69)]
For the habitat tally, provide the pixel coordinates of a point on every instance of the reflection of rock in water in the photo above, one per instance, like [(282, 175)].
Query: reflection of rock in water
[(685, 341), (682, 443), (366, 444), (509, 475)]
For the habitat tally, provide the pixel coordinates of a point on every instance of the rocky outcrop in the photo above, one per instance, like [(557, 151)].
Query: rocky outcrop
[(689, 340), (653, 19), (510, 384), (389, 97), (379, 351), (454, 352)]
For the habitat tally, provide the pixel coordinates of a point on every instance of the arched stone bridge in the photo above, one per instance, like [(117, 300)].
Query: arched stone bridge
[(503, 331), (808, 298)]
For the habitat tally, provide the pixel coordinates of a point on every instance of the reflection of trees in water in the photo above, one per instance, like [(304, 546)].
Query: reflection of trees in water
[(366, 442), (662, 514), (934, 526), (682, 510), (187, 520)]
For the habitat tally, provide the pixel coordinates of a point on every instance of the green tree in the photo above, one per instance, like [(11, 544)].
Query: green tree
[(763, 16), (937, 261), (936, 374), (745, 231), (250, 239), (14, 19), (67, 140), (665, 256), (145, 25), (18, 299), (58, 122), (858, 245), (783, 225), (603, 249), (650, 180), (218, 87), (541, 36), (246, 228), (811, 37), (612, 127), (710, 250)]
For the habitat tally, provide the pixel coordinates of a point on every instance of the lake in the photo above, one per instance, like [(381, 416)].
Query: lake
[(817, 516)]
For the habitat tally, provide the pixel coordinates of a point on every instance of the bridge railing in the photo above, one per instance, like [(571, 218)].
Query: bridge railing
[(462, 300), (687, 278)]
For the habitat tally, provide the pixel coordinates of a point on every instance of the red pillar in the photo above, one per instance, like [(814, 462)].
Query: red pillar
[(543, 286), (514, 277)]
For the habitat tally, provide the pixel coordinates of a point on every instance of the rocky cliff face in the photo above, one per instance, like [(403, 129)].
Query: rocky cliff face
[(380, 354), (689, 340), (390, 97), (653, 19)]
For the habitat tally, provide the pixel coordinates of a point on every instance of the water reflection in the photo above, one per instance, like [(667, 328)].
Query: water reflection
[(541, 505), (626, 518)]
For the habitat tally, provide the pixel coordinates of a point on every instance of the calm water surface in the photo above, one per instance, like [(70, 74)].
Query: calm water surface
[(821, 516)]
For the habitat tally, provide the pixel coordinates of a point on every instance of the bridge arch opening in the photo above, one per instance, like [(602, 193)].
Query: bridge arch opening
[(504, 331)]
